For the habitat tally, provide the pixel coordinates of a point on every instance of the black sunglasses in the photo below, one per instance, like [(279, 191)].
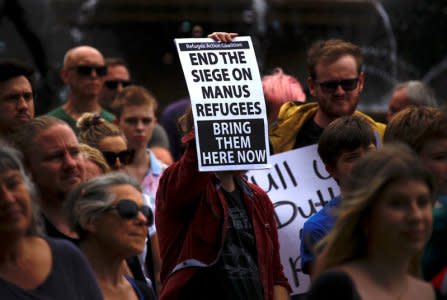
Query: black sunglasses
[(113, 84), (126, 157), (86, 70), (331, 86), (128, 209)]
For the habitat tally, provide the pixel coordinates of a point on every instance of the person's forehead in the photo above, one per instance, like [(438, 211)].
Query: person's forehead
[(14, 85), (343, 66), (138, 111), (113, 143), (400, 98), (56, 137), (85, 56), (126, 191), (117, 72), (359, 149)]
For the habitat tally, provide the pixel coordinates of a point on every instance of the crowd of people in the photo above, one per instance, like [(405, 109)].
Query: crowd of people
[(98, 200)]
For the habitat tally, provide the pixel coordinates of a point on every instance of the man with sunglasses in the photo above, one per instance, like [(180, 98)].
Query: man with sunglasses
[(116, 79), (83, 72), (335, 81)]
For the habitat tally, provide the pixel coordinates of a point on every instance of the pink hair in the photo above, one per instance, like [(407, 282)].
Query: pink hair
[(279, 88)]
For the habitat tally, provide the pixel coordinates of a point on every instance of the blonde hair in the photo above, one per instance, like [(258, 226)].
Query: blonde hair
[(368, 179), (93, 129), (95, 156)]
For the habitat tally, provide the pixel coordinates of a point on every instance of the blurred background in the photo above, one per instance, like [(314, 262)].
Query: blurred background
[(401, 39)]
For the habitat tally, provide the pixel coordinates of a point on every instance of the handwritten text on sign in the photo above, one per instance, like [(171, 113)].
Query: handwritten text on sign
[(227, 102), (298, 186)]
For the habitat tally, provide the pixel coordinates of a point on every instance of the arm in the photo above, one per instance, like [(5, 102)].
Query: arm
[(182, 182), (280, 293)]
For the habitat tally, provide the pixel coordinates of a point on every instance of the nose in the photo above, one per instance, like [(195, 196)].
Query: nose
[(415, 211), (93, 73), (140, 125), (142, 217), (119, 87), (22, 103), (70, 161), (118, 165), (339, 90)]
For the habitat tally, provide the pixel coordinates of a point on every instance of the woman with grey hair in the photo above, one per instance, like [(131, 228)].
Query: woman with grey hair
[(109, 214), (32, 266)]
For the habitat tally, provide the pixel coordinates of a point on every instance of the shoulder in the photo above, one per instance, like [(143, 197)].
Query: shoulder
[(58, 111), (419, 289), (324, 218), (61, 245), (107, 115), (315, 221), (66, 251), (257, 191), (377, 126), (293, 109), (157, 166), (333, 284)]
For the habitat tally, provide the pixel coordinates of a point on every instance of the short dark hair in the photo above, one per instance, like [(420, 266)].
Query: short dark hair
[(10, 68), (344, 133), (416, 125), (115, 61), (329, 51)]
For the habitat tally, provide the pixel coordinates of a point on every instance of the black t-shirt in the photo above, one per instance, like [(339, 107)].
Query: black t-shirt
[(308, 135), (53, 232), (235, 275), (238, 258)]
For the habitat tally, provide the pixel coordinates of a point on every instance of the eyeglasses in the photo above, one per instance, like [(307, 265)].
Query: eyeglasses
[(86, 70), (125, 157), (113, 84), (331, 86), (128, 209)]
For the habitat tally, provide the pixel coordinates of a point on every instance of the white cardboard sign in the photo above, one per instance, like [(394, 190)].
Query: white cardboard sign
[(227, 103), (298, 186)]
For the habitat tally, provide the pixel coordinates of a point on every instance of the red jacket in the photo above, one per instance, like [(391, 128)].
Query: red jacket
[(191, 217)]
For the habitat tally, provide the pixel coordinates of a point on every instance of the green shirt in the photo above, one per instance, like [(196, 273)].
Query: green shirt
[(61, 114)]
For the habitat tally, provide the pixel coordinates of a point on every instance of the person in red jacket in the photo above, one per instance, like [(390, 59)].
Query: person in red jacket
[(217, 233)]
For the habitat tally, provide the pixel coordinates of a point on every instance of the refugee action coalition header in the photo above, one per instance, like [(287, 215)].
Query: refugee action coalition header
[(227, 102)]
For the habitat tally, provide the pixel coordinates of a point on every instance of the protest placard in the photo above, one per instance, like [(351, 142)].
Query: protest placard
[(227, 103), (299, 186)]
